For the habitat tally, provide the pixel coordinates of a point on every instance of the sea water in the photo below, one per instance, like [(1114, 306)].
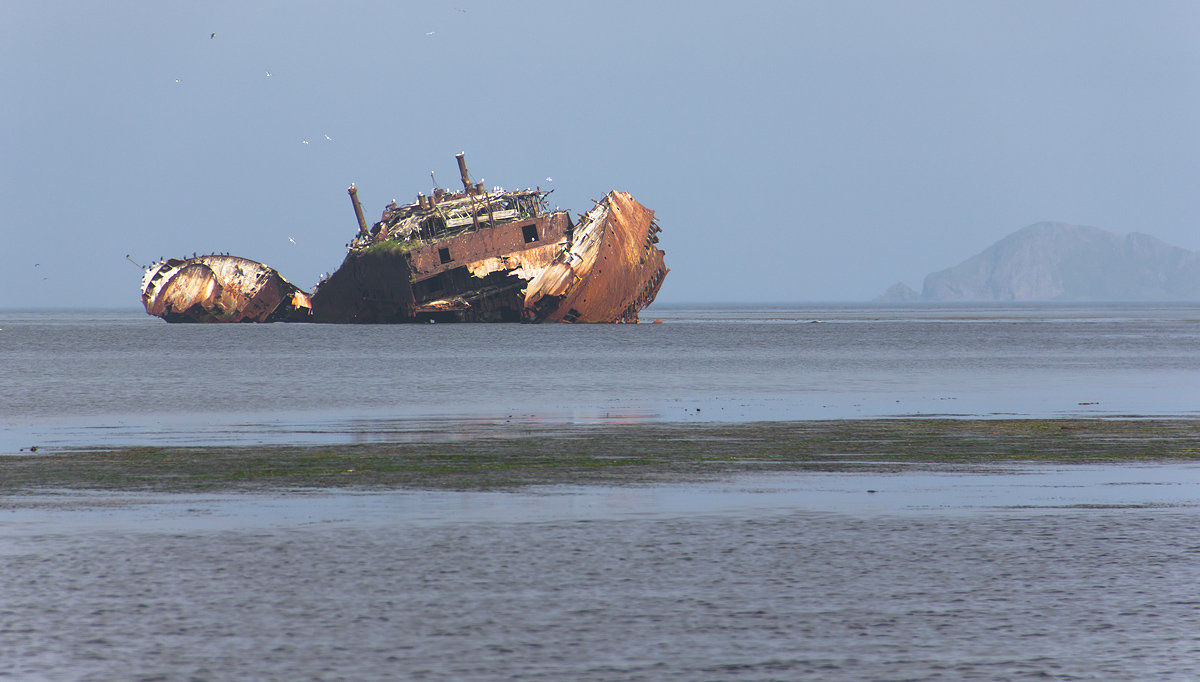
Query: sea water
[(115, 378), (998, 572), (1037, 572)]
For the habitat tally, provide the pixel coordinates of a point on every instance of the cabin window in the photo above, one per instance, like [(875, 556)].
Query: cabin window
[(530, 232), (444, 254)]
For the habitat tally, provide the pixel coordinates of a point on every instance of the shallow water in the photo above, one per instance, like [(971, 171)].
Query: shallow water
[(1011, 573), (119, 378), (993, 572)]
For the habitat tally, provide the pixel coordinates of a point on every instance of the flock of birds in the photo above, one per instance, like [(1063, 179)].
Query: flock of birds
[(305, 140)]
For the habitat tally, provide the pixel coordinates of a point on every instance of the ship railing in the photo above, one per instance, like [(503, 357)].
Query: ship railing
[(482, 217)]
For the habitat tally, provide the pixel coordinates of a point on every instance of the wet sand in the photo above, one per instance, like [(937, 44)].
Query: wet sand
[(502, 456)]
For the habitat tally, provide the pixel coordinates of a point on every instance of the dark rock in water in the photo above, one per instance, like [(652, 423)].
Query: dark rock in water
[(1060, 262), (898, 293)]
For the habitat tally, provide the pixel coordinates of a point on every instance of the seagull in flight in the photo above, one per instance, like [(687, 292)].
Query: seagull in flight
[(212, 35), (268, 74), (549, 179), (304, 141), (292, 240), (330, 139), (429, 33)]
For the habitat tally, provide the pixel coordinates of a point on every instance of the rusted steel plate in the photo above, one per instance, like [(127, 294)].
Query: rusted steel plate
[(473, 256), (220, 288), (610, 271)]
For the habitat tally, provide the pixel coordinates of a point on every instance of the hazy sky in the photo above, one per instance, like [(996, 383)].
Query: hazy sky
[(793, 151)]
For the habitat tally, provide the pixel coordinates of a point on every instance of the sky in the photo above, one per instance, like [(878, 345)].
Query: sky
[(792, 151)]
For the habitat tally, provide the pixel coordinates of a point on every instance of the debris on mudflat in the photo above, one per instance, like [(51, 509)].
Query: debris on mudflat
[(470, 256)]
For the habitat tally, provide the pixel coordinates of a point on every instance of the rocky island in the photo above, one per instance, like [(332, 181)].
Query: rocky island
[(1060, 262)]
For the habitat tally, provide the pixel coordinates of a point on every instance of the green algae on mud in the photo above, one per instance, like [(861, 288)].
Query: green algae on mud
[(501, 457)]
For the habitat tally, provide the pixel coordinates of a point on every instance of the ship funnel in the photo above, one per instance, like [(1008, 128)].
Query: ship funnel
[(462, 171), (362, 222)]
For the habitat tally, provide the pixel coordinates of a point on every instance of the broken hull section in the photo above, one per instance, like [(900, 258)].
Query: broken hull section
[(608, 272), (470, 256), (219, 288)]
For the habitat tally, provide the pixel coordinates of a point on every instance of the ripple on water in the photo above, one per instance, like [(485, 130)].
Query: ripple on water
[(784, 593)]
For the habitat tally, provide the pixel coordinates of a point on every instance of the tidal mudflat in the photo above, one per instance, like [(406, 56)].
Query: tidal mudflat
[(497, 455), (1060, 549)]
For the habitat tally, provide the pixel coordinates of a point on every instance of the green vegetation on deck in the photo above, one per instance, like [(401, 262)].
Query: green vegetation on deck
[(390, 247)]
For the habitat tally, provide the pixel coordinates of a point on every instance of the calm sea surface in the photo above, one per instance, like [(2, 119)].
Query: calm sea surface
[(995, 572), (84, 378)]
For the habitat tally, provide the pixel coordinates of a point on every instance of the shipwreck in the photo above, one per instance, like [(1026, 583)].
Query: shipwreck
[(221, 288), (469, 256)]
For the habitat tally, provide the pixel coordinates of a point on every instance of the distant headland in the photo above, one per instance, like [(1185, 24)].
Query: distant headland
[(1059, 262)]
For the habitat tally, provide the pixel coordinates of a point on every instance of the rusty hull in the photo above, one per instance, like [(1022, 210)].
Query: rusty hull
[(469, 256), (607, 273), (219, 288), (476, 275)]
